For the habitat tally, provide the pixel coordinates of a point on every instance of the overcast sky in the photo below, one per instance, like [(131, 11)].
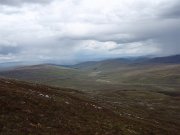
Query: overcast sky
[(70, 31)]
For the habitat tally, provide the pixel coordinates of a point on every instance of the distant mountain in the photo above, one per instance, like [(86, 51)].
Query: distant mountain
[(9, 65), (109, 63), (93, 74), (175, 59), (103, 64), (13, 65), (122, 62)]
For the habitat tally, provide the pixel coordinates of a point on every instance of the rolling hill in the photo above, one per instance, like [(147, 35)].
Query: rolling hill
[(47, 74), (28, 108), (160, 70), (93, 75), (114, 97)]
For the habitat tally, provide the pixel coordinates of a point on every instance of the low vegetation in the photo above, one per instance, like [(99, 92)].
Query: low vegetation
[(112, 98)]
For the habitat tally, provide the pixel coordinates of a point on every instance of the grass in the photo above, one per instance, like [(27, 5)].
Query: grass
[(138, 99), (37, 109), (151, 107)]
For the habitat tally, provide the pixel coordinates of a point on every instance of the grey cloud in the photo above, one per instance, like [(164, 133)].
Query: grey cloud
[(5, 50), (169, 44), (64, 31), (171, 10), (174, 13), (19, 2)]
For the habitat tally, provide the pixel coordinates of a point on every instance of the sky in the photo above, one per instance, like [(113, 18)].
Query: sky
[(72, 31)]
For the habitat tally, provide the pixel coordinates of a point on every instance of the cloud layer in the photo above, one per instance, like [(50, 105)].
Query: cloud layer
[(20, 2), (70, 31)]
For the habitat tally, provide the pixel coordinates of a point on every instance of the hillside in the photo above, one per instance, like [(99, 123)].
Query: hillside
[(28, 108), (113, 97), (103, 65), (93, 75), (157, 71), (159, 74), (47, 74), (36, 109)]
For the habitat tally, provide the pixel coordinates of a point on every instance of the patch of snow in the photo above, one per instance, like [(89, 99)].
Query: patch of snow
[(139, 117), (151, 108), (67, 102), (46, 96), (8, 82), (41, 95), (99, 107), (96, 107)]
